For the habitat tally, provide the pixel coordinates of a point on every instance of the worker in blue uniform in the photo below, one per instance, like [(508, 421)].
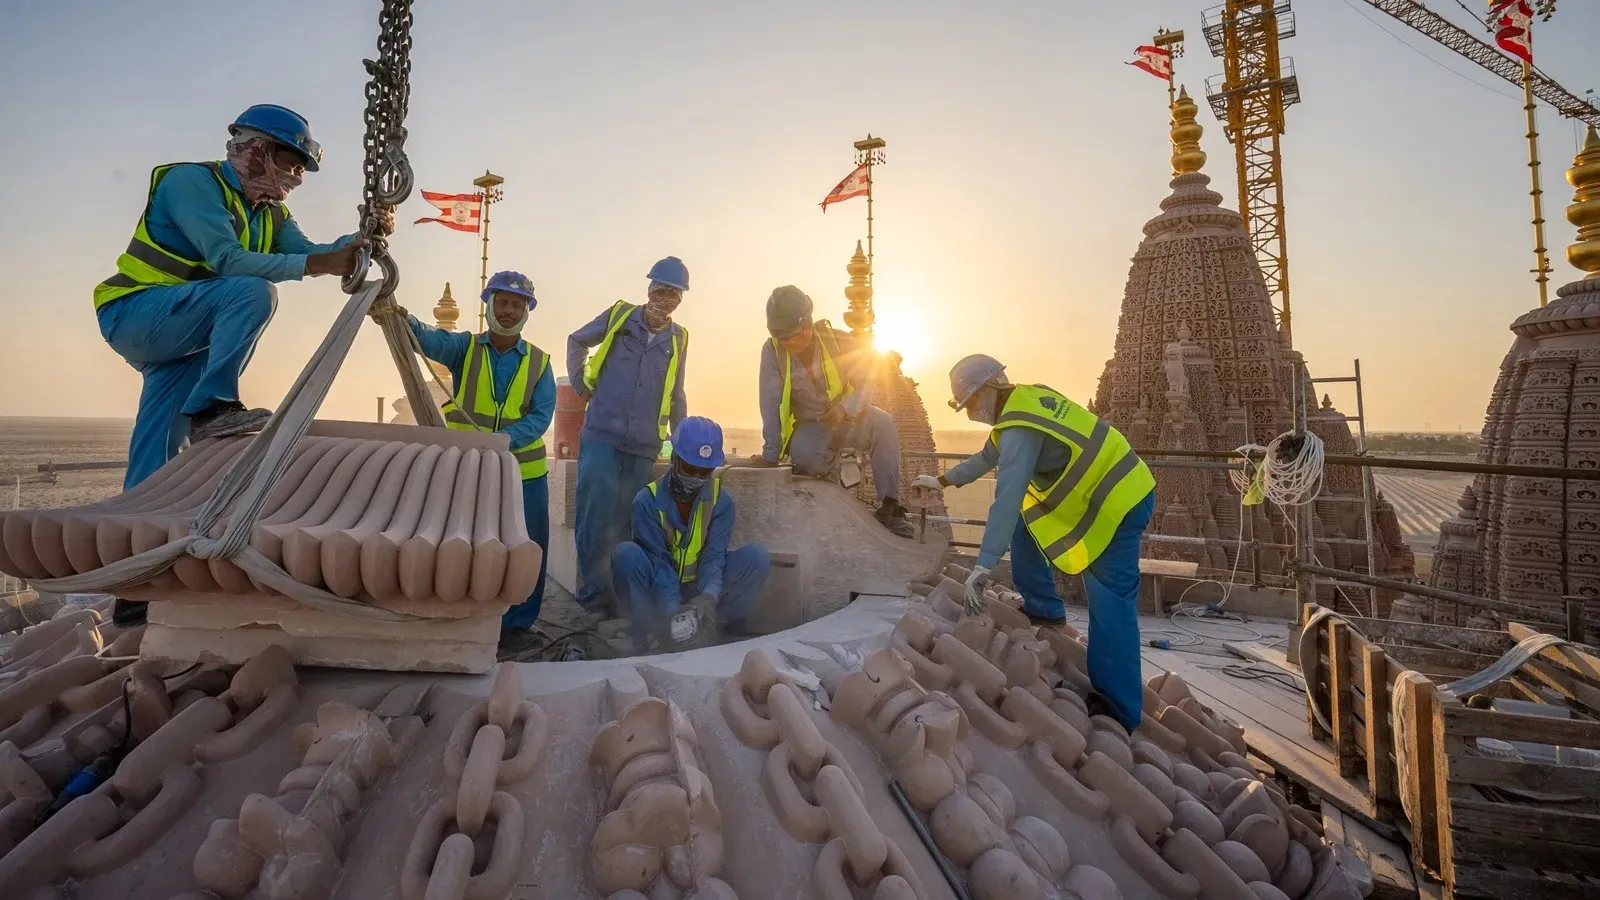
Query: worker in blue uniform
[(503, 384), (677, 578), (633, 380), (194, 290), (1071, 494)]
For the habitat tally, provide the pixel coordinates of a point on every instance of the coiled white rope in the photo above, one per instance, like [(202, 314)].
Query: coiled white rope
[(1289, 473)]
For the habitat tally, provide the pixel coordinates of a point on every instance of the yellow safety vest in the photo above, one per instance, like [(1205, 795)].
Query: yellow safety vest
[(473, 408), (686, 555), (1075, 518), (597, 359), (837, 388), (148, 264)]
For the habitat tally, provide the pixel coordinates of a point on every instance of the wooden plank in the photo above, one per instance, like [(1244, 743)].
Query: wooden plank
[(1427, 657), (1563, 682), (1172, 567), (1483, 883), (1516, 820), (1315, 673), (1379, 733), (1418, 788), (1445, 745), (1272, 656), (1344, 736), (1473, 640), (1475, 847), (1467, 722), (1520, 775), (1388, 862)]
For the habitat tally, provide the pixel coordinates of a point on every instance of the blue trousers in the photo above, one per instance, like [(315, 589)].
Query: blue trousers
[(814, 446), (607, 481), (190, 342), (1112, 583), (650, 607), (536, 511)]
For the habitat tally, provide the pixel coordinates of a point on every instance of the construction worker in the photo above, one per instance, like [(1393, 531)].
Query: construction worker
[(194, 289), (679, 581), (814, 404), (504, 384), (634, 384), (1070, 494)]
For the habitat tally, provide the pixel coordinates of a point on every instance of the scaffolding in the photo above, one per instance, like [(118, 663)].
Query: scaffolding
[(1249, 98)]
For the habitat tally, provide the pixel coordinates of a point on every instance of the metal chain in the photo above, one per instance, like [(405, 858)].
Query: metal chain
[(387, 171)]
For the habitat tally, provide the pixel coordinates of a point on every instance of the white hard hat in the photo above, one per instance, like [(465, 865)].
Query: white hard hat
[(971, 374)]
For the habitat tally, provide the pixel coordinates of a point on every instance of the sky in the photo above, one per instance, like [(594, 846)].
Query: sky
[(1023, 158)]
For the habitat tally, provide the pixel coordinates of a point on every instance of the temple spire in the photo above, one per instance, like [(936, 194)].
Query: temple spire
[(1584, 253), (446, 313), (1187, 157)]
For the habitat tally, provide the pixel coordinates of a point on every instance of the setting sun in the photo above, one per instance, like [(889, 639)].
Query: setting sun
[(901, 330)]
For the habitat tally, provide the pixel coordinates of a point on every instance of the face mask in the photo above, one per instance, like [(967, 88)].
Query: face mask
[(683, 488), (985, 407), (496, 328), (658, 309)]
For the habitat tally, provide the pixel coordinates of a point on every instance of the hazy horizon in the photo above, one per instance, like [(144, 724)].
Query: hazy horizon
[(1023, 159)]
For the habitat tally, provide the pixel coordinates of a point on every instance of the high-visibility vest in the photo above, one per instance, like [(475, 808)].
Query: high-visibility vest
[(148, 264), (1075, 518), (473, 408), (686, 548), (597, 359), (837, 387)]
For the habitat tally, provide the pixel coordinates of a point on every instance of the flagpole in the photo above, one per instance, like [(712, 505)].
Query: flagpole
[(488, 188), (1540, 253), (1172, 42), (869, 153)]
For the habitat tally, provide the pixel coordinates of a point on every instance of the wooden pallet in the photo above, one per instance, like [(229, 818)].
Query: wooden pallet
[(1467, 830), (1351, 682)]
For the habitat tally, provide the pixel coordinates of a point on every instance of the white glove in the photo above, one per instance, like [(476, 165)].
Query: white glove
[(931, 482), (974, 589)]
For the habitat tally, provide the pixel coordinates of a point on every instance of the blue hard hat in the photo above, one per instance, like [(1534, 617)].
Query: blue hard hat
[(512, 283), (671, 272), (698, 442), (283, 125)]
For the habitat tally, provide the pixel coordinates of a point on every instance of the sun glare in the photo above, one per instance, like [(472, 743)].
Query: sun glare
[(906, 334)]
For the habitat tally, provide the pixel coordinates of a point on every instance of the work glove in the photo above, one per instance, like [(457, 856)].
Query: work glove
[(931, 482), (973, 593), (378, 310)]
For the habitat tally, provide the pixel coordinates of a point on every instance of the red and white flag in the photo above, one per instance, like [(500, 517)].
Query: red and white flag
[(1513, 27), (856, 184), (458, 211), (1155, 60)]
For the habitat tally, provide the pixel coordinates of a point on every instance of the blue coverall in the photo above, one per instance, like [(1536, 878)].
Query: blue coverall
[(1111, 581), (192, 341), (621, 437), (646, 579), (450, 349), (814, 446)]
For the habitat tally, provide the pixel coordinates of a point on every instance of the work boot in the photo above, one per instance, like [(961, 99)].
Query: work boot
[(224, 419), (1044, 622), (129, 613), (892, 516)]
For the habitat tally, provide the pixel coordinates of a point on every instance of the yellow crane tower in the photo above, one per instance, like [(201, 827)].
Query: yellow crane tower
[(1258, 83), (1249, 98)]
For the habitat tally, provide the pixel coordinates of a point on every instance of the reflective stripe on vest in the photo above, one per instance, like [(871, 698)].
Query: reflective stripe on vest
[(837, 388), (1075, 518), (148, 264), (686, 556), (680, 343), (473, 408)]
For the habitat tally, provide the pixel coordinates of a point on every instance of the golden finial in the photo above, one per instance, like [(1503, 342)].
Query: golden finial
[(1584, 253), (1187, 157), (446, 313), (859, 292)]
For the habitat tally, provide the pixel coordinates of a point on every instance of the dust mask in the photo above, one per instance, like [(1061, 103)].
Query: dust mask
[(497, 329)]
